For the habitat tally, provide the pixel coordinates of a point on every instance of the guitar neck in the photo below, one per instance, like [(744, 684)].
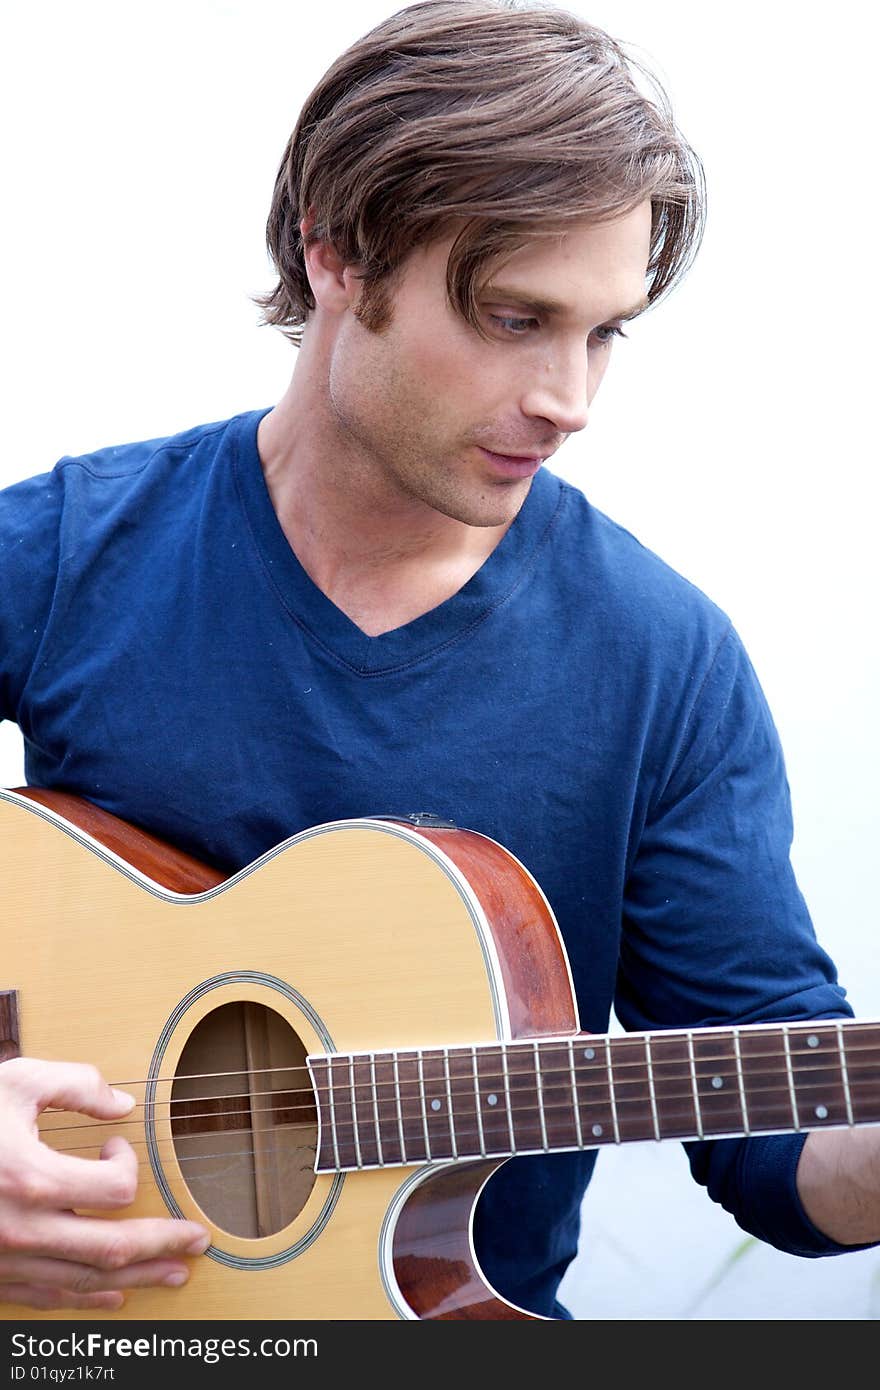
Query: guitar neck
[(387, 1108)]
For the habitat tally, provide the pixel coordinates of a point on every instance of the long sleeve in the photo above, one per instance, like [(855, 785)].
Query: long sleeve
[(29, 531), (717, 931)]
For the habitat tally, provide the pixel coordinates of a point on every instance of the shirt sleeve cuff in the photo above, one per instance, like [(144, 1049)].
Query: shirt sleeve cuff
[(773, 1212)]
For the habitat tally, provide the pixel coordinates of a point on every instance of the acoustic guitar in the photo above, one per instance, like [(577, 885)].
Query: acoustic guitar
[(334, 1049)]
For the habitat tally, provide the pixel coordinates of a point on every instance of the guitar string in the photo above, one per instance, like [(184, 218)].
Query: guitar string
[(413, 1090), (363, 1093), (149, 1182), (462, 1126), (463, 1136), (511, 1052), (732, 1099)]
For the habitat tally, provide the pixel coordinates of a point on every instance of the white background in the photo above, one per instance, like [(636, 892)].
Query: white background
[(734, 433)]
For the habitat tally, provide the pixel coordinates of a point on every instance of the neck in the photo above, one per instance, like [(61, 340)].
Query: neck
[(378, 552), (493, 1100)]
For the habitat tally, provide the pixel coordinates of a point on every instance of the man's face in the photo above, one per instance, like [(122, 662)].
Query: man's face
[(439, 415)]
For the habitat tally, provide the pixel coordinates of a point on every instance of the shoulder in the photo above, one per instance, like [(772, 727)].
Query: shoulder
[(86, 496), (633, 597), (55, 525), (40, 495), (144, 458), (657, 648)]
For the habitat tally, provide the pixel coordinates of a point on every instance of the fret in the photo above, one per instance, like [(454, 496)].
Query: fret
[(844, 1073), (521, 1081), (595, 1114), (740, 1082), (363, 1097), (673, 1085), (863, 1070), (494, 1100), (507, 1099), (633, 1104), (790, 1074), (424, 1107), (816, 1075), (397, 1097), (652, 1094), (694, 1087), (717, 1082), (449, 1102), (354, 1115), (388, 1119), (328, 1154), (561, 1119), (463, 1108), (344, 1148), (765, 1079), (539, 1088), (332, 1107), (375, 1098), (477, 1103), (574, 1096), (438, 1120), (611, 1092), (412, 1108)]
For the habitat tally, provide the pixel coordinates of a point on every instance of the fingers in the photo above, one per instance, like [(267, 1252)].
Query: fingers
[(81, 1279), (44, 1177), (51, 1256), (60, 1180), (35, 1174), (68, 1085), (110, 1261), (30, 1296), (105, 1245)]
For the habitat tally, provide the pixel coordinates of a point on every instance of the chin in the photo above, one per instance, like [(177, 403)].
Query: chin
[(477, 500), (503, 501), (490, 509)]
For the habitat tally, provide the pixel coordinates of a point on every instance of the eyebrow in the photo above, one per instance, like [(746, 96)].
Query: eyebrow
[(552, 306)]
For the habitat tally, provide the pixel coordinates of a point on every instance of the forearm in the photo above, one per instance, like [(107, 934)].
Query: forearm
[(838, 1182)]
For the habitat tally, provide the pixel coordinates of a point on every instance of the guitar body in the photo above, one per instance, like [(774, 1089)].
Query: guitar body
[(353, 936)]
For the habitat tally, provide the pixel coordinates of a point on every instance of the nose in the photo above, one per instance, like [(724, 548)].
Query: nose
[(559, 391)]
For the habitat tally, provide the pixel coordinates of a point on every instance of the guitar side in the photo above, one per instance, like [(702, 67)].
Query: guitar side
[(352, 936)]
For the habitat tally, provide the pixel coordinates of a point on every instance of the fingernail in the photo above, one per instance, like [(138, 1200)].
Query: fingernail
[(199, 1245), (176, 1279)]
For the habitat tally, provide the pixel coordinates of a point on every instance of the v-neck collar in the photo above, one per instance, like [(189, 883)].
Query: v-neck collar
[(492, 584)]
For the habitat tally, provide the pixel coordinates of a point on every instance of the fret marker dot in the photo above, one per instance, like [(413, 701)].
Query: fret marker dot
[(589, 1053), (717, 1082), (435, 1105), (812, 1040), (821, 1112), (493, 1099), (597, 1130)]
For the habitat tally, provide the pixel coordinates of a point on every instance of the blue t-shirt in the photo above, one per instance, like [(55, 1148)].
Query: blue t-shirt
[(166, 656)]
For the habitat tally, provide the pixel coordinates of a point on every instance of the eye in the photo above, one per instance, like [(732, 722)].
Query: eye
[(608, 332), (511, 324)]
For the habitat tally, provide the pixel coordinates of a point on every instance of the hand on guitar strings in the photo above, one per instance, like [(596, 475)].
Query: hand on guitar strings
[(51, 1254)]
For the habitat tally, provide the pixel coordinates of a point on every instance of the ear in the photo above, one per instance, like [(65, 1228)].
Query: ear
[(334, 284)]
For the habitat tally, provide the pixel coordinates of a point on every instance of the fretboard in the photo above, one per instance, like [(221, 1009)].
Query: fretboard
[(417, 1106)]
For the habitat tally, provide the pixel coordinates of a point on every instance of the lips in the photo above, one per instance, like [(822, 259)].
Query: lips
[(516, 465), (516, 458)]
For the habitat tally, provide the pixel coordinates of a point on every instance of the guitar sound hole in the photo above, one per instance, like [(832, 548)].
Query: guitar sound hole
[(243, 1119)]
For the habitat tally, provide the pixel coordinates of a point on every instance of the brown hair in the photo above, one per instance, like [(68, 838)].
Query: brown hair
[(508, 120)]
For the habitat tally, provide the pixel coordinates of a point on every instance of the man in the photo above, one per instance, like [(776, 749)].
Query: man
[(375, 597)]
